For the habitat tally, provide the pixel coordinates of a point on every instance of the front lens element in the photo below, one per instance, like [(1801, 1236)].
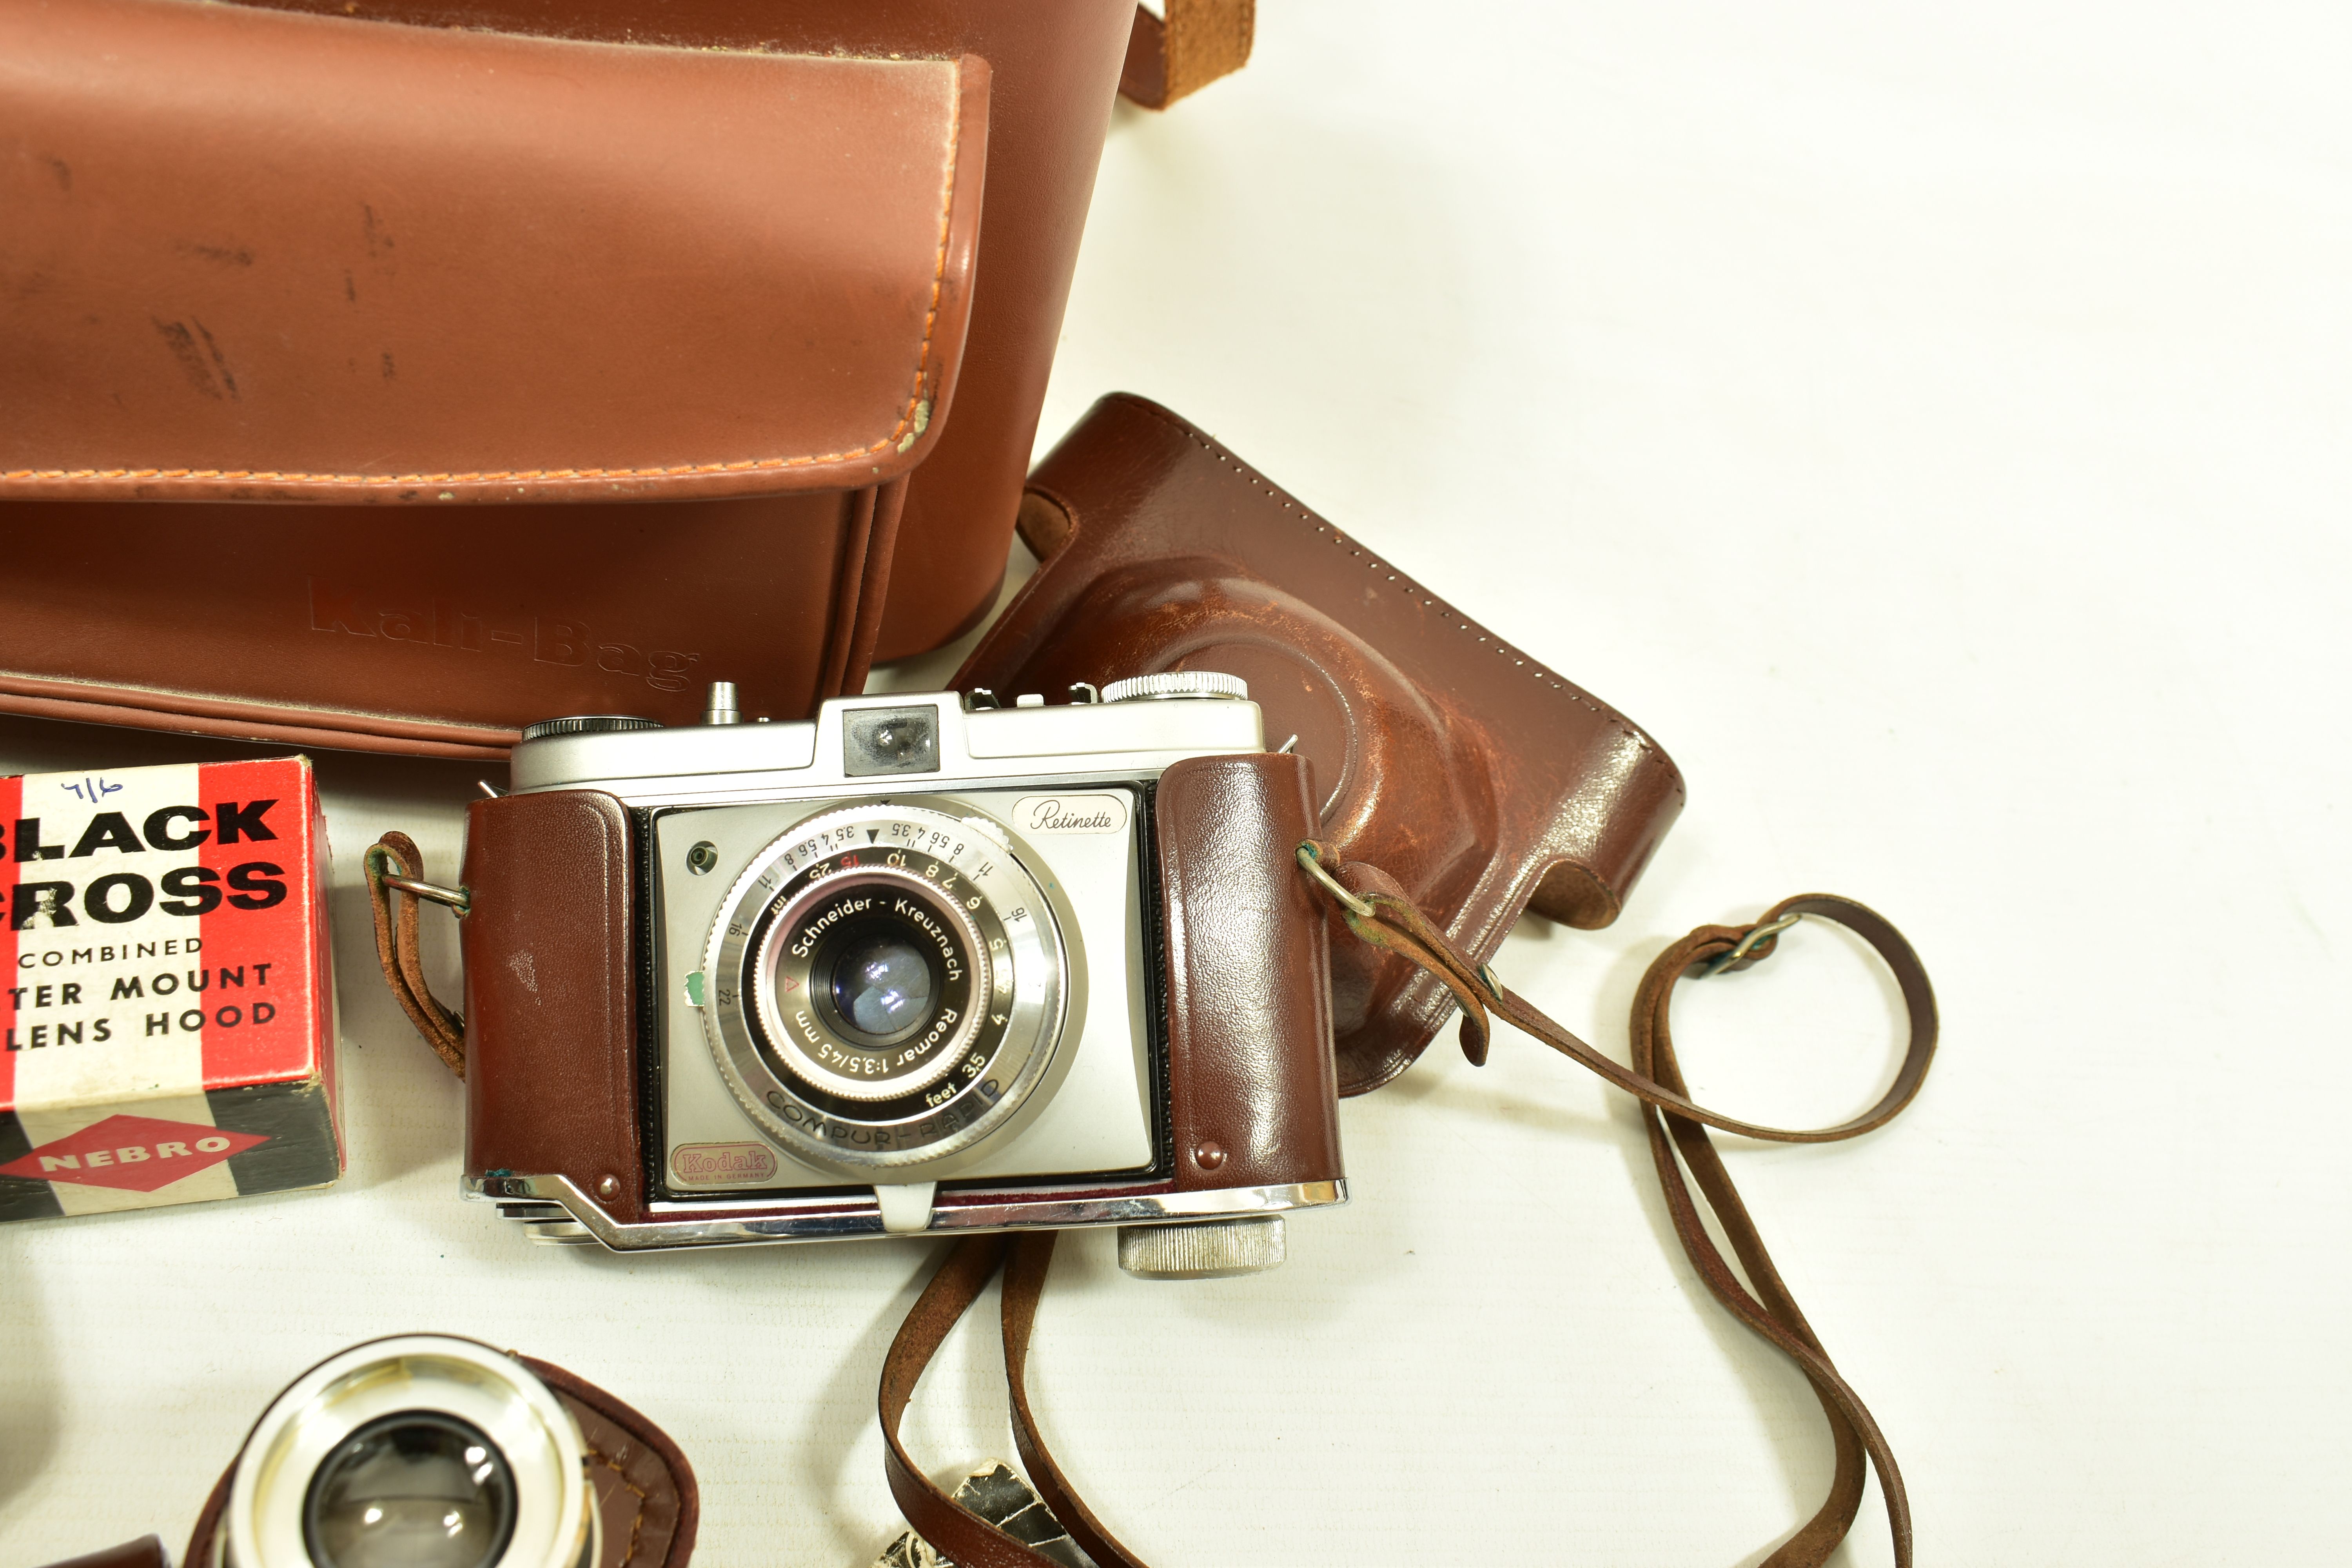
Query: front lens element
[(875, 985), (882, 986), (418, 1489)]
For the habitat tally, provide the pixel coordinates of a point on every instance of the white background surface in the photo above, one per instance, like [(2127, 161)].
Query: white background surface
[(1931, 424)]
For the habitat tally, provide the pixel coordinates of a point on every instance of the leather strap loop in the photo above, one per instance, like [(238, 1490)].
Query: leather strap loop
[(1199, 41), (957, 1534), (1024, 1283), (1775, 1318), (1377, 912), (1370, 903), (1390, 922), (397, 949)]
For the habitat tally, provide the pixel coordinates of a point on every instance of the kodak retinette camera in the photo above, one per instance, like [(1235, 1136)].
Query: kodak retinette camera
[(925, 964)]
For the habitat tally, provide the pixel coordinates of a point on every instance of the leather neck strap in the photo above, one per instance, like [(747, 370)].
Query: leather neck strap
[(1764, 1302), (961, 1537), (1377, 912)]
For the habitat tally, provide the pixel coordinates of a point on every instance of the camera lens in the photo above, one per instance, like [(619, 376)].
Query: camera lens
[(889, 982), (881, 984), (418, 1489), (872, 982), (881, 974), (383, 1457)]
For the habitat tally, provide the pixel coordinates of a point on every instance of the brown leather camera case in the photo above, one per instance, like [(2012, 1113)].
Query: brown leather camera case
[(553, 1049), (399, 316), (1479, 779)]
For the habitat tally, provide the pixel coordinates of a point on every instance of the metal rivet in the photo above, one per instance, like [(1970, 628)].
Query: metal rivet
[(1209, 1156), (610, 1187)]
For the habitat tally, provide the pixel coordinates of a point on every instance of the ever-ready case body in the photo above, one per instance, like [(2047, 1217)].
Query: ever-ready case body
[(1484, 783)]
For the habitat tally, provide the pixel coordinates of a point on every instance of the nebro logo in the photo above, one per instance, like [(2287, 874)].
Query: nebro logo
[(136, 1154)]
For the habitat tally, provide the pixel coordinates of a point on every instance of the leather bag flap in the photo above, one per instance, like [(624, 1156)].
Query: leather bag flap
[(251, 255)]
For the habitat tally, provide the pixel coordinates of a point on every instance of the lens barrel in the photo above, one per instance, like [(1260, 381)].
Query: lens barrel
[(878, 984), (422, 1451), (882, 940)]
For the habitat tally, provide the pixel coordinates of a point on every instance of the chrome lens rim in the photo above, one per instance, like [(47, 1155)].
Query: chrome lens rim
[(1009, 911), (553, 1522), (784, 962)]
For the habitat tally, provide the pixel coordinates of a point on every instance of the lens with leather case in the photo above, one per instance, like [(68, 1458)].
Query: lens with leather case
[(438, 1452)]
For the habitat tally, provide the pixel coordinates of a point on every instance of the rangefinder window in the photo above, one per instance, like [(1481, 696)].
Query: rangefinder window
[(890, 741)]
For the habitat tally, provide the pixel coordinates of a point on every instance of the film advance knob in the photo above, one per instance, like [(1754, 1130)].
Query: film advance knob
[(1210, 1249), (587, 724), (1176, 683)]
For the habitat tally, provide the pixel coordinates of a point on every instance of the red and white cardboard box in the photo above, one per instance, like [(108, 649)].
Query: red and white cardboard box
[(169, 1003)]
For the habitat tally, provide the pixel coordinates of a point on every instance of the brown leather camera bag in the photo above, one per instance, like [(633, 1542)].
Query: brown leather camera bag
[(508, 358)]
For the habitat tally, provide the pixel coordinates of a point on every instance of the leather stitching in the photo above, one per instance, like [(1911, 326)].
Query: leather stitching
[(637, 1524), (747, 464), (1412, 589)]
